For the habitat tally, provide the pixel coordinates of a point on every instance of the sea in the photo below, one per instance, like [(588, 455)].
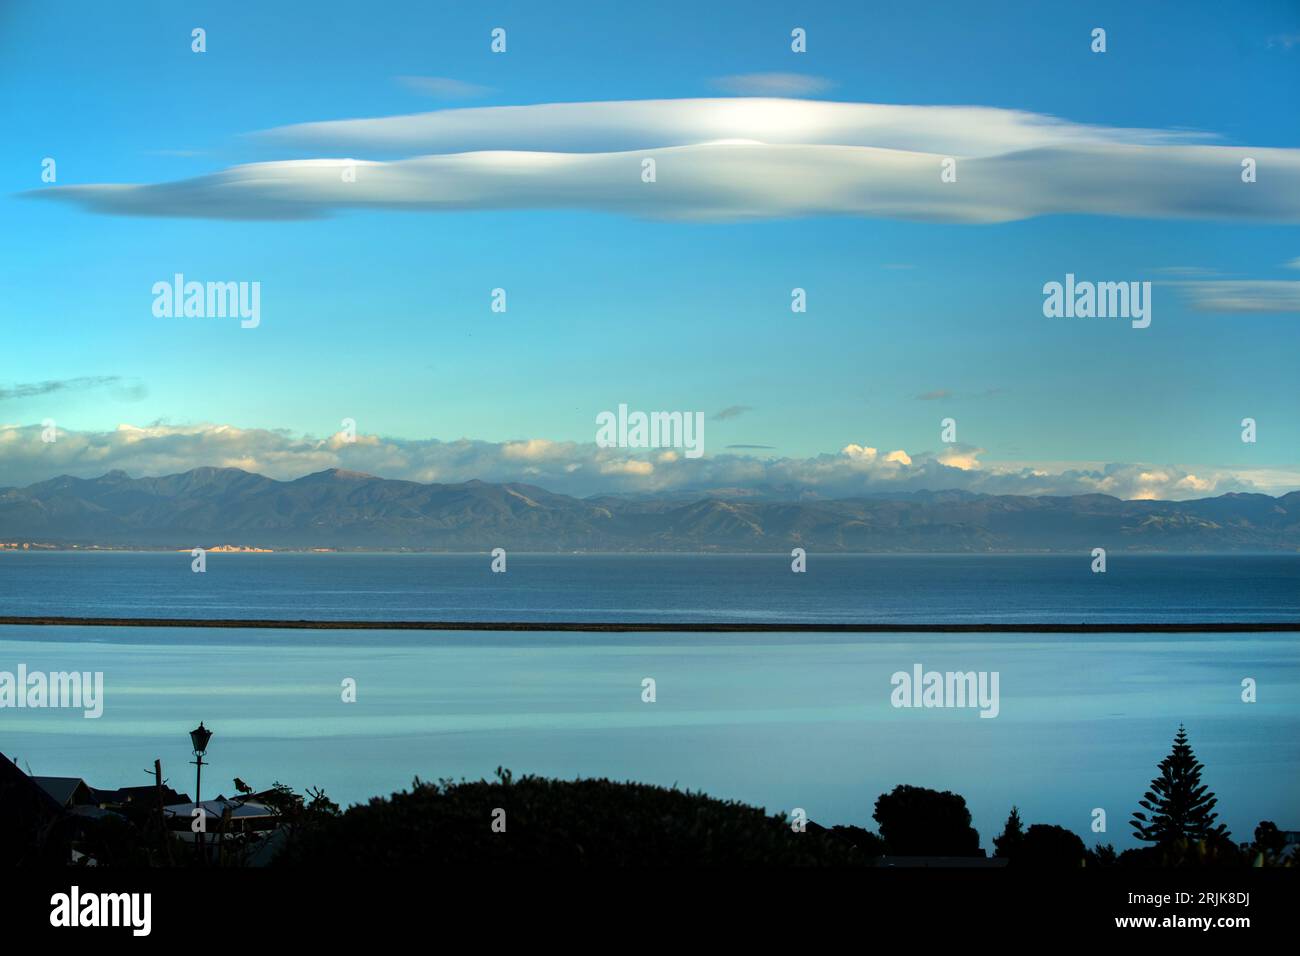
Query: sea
[(777, 719)]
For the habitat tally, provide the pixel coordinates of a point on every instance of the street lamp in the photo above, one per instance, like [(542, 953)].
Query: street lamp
[(199, 737)]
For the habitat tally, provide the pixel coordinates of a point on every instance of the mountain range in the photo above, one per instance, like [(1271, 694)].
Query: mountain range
[(207, 507)]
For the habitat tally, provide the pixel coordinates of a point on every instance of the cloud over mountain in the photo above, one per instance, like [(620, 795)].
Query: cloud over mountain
[(347, 509), (579, 468)]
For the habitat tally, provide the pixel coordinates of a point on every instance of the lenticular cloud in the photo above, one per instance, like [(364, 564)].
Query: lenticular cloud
[(730, 159), (649, 124)]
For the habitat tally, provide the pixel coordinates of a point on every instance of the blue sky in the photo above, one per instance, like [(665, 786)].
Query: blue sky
[(383, 316)]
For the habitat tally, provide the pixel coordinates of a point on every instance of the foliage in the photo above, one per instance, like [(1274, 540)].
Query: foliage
[(1179, 808), (1046, 845), (592, 822), (915, 821), (1013, 835), (1103, 854), (868, 844)]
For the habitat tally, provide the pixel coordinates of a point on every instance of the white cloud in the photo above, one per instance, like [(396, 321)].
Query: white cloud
[(859, 453), (731, 182), (584, 469), (733, 159), (620, 125), (536, 449), (628, 467), (1245, 295), (960, 457)]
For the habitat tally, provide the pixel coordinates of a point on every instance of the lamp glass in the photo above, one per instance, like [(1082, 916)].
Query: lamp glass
[(200, 736)]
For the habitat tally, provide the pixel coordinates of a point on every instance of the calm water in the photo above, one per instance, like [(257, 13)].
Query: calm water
[(777, 720), (883, 588)]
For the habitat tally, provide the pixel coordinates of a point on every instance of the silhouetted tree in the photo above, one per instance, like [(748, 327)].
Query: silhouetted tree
[(1048, 845), (1269, 839), (1178, 805), (915, 821), (1214, 850), (863, 841), (1012, 836), (1103, 854), (1270, 847), (559, 823)]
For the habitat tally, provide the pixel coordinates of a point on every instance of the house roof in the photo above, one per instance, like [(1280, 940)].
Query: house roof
[(13, 781), (146, 795), (62, 789), (215, 808), (94, 813)]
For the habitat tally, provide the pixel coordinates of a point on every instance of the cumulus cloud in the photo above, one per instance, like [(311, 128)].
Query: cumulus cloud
[(961, 457), (536, 449), (1155, 484), (730, 159), (859, 452), (629, 466), (584, 469)]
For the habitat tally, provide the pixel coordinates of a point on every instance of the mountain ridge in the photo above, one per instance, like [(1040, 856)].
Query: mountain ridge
[(348, 510)]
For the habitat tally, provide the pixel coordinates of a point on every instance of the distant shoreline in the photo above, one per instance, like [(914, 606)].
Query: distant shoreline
[(482, 552), (676, 627)]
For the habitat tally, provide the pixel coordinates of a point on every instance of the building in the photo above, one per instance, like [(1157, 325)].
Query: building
[(33, 828), (55, 820), (67, 792)]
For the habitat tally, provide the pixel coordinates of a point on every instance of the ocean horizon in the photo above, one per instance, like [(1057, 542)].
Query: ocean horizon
[(649, 588), (776, 719)]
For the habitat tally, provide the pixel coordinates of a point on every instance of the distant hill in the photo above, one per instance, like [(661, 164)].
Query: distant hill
[(347, 510)]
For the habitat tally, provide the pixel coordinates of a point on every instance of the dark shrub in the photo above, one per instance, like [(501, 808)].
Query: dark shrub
[(1047, 845), (558, 823), (915, 821)]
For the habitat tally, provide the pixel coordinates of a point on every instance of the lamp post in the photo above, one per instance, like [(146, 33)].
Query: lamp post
[(199, 737)]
